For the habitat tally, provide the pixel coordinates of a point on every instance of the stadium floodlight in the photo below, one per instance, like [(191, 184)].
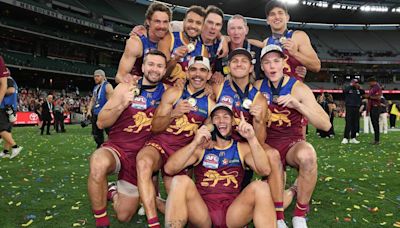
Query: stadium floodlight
[(371, 8), (322, 4), (290, 2), (396, 10)]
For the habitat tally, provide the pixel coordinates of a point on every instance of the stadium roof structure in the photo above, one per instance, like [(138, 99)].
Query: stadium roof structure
[(311, 11)]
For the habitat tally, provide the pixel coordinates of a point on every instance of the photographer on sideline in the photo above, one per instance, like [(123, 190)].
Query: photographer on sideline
[(101, 93)]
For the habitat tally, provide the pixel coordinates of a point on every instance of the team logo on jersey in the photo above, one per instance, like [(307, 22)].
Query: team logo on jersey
[(211, 161), (213, 177), (141, 121), (227, 100), (183, 124), (280, 117), (139, 102)]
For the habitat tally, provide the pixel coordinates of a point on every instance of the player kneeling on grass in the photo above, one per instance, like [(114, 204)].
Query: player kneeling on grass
[(215, 199), (129, 113)]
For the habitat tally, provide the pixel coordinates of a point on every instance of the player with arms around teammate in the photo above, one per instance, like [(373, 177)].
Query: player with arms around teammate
[(129, 117)]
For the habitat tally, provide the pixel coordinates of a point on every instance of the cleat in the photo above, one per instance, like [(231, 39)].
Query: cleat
[(299, 222), (15, 152)]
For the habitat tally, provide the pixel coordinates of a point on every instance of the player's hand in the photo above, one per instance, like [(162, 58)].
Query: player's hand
[(301, 71), (138, 30), (131, 79), (257, 112), (181, 108), (288, 101), (127, 98), (202, 135), (180, 83), (223, 48), (290, 45), (208, 91), (180, 52), (217, 78), (245, 129)]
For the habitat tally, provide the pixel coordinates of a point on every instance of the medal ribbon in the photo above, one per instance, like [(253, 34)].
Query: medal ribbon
[(276, 91), (242, 95), (145, 87), (194, 95)]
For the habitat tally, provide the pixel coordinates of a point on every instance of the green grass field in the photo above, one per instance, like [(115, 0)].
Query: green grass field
[(358, 185)]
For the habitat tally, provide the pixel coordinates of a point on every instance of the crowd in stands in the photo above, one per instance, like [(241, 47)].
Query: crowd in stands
[(30, 100)]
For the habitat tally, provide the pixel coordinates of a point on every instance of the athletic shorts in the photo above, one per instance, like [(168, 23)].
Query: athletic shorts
[(165, 153), (283, 145), (5, 124), (218, 205), (126, 163)]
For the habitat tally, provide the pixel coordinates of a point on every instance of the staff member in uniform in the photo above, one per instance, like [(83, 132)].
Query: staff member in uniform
[(374, 103), (101, 93)]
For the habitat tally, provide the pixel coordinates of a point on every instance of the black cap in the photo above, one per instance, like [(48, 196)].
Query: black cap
[(239, 51), (221, 106)]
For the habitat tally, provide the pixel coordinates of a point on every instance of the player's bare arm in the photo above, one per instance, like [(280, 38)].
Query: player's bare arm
[(252, 151), (109, 91), (300, 48), (259, 110), (303, 100), (166, 112), (189, 154), (122, 96), (133, 50)]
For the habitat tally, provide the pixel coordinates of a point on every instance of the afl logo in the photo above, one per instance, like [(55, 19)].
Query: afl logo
[(33, 117), (227, 100)]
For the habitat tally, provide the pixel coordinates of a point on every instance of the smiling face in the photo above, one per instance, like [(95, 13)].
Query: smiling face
[(222, 119), (159, 24), (272, 65), (153, 67), (198, 75), (237, 31), (278, 18), (192, 24), (240, 66), (212, 26)]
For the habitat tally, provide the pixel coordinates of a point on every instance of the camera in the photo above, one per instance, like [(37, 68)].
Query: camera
[(85, 123)]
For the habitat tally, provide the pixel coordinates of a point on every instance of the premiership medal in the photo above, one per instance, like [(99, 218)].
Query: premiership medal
[(275, 99), (210, 127), (191, 47), (282, 39), (192, 101), (246, 103), (136, 92)]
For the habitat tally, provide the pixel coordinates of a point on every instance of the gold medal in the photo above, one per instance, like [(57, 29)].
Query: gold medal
[(275, 99), (282, 39), (246, 103), (136, 92), (191, 47), (210, 127), (192, 101)]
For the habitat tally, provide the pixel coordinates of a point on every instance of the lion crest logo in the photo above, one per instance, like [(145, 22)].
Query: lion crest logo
[(281, 117), (212, 176), (141, 121), (182, 124)]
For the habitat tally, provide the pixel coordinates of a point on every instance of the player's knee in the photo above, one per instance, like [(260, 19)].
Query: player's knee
[(274, 156), (99, 165), (124, 217), (260, 188), (307, 158), (181, 181), (144, 166)]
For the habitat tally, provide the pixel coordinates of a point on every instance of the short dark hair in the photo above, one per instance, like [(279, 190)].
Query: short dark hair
[(155, 52), (197, 10), (156, 6), (371, 79), (274, 3), (213, 9)]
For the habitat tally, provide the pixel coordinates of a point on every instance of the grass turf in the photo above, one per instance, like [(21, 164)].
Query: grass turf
[(358, 185)]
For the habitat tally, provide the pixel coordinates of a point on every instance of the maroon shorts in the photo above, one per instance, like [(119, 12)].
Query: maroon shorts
[(165, 152), (218, 205), (283, 145), (127, 171), (304, 121)]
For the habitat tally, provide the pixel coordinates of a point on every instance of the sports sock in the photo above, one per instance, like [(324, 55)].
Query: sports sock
[(279, 210), (101, 217), (301, 210)]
